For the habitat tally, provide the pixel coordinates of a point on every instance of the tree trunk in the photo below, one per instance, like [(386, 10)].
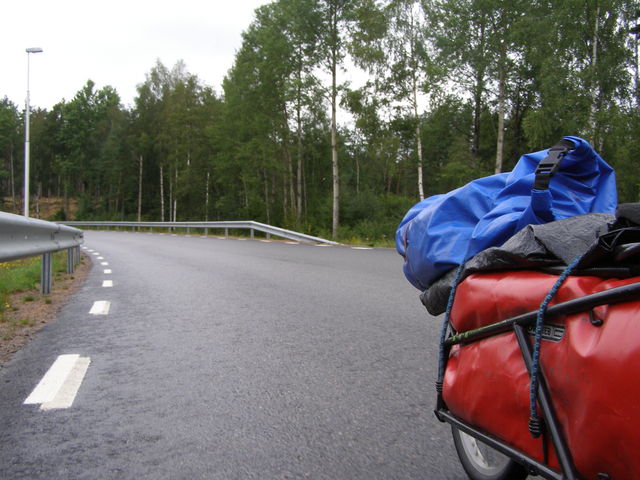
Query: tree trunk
[(636, 60), (161, 194), (477, 96), (299, 153), (501, 112), (38, 195), (246, 193), (477, 110), (206, 199), (288, 195), (637, 70), (266, 195), (121, 194), (175, 197), (594, 89), (334, 152), (66, 199), (414, 85), (290, 183), (333, 65), (299, 183), (355, 158), (140, 189)]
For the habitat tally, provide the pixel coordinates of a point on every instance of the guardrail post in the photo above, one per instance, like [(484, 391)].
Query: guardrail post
[(226, 233), (46, 274), (268, 236), (251, 234), (71, 260), (206, 232)]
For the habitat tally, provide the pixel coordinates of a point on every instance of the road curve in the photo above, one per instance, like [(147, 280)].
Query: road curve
[(227, 359)]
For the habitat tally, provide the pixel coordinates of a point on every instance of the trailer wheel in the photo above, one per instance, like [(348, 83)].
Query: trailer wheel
[(482, 462)]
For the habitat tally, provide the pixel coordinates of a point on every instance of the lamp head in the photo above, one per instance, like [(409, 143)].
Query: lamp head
[(34, 50)]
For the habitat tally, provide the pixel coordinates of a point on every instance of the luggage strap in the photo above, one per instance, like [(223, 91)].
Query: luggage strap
[(535, 427), (548, 167), (442, 360)]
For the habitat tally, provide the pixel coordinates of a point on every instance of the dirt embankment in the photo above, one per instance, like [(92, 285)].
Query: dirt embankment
[(46, 208)]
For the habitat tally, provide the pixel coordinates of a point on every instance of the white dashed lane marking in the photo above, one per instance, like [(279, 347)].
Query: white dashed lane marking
[(59, 386), (107, 283), (107, 271), (100, 307)]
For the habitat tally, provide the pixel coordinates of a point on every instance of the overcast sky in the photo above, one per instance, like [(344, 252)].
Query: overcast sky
[(114, 43)]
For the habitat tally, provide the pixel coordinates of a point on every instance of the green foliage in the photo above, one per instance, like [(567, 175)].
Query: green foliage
[(59, 216)]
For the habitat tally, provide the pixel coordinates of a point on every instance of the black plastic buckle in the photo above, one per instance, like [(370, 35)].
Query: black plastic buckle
[(551, 163)]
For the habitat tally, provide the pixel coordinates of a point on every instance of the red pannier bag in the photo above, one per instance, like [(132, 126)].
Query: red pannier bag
[(591, 362)]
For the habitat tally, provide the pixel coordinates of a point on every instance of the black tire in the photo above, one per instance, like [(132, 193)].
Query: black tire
[(481, 462)]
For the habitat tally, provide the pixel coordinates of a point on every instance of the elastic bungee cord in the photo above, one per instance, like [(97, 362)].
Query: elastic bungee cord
[(445, 326), (535, 427)]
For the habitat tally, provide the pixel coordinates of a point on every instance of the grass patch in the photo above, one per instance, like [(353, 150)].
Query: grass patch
[(20, 275), (24, 275)]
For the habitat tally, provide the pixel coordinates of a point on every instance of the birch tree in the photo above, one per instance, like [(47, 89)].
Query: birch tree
[(407, 70)]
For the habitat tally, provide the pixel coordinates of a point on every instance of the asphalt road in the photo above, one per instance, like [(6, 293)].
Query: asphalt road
[(230, 359)]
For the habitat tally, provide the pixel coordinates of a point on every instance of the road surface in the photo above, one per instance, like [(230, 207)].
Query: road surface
[(185, 357)]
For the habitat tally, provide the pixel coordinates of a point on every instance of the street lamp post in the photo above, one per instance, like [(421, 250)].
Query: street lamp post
[(26, 137)]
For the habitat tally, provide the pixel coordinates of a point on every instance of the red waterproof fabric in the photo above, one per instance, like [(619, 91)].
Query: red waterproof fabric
[(593, 372)]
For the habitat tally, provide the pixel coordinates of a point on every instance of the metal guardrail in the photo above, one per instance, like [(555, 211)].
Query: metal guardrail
[(226, 226), (22, 237)]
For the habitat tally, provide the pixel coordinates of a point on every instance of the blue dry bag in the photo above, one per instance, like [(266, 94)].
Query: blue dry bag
[(443, 231)]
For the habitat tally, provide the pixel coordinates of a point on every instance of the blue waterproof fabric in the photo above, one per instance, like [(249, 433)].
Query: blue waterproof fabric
[(443, 231)]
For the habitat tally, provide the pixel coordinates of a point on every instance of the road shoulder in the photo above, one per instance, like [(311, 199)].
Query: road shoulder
[(30, 311)]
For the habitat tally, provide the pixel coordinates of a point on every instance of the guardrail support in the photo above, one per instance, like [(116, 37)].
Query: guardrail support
[(71, 260), (46, 273)]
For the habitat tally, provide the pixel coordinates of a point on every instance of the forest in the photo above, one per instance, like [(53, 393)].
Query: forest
[(338, 115)]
